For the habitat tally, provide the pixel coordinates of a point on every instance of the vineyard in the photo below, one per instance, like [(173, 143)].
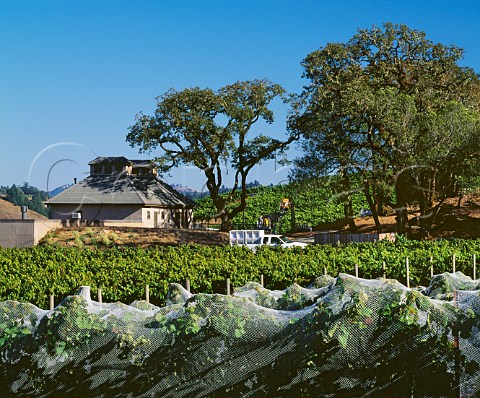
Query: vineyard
[(315, 202), (33, 274), (340, 336)]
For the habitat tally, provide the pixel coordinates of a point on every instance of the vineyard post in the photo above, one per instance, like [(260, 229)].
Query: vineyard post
[(187, 285), (453, 263), (408, 273), (431, 266), (99, 294), (334, 263), (261, 280), (456, 346), (84, 291), (474, 267), (325, 271), (356, 270), (147, 293), (52, 302), (228, 286)]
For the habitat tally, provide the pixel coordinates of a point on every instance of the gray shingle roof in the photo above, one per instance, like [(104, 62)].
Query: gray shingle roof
[(122, 189), (111, 159)]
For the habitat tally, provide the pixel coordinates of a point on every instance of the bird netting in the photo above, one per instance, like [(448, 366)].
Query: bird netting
[(340, 337)]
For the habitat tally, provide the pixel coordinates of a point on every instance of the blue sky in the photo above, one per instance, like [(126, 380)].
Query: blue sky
[(73, 74)]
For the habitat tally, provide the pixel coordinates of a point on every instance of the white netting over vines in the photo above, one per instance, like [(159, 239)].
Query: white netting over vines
[(341, 337)]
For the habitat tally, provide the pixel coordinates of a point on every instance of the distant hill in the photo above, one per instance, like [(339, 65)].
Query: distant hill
[(58, 190), (189, 192), (11, 211), (194, 194)]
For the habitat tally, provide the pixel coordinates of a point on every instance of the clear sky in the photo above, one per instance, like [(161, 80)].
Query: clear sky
[(73, 74)]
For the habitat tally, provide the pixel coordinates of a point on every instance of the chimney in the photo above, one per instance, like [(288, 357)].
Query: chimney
[(75, 180), (24, 212)]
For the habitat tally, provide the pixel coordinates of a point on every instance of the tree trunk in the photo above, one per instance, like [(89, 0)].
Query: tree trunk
[(403, 187), (373, 209), (460, 197), (348, 205), (348, 213), (293, 221), (402, 219), (371, 205), (380, 202), (226, 222)]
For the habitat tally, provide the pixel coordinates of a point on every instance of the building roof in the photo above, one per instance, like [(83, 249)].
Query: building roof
[(140, 163), (122, 189), (110, 159)]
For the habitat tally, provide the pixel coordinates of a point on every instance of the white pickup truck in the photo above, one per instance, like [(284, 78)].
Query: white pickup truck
[(255, 238)]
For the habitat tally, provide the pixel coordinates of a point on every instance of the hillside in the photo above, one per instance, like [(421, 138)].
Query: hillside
[(452, 221), (10, 211)]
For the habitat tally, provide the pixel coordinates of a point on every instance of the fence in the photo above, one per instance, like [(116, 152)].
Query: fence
[(336, 238)]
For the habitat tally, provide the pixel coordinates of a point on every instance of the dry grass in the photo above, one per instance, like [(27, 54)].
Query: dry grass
[(453, 221), (10, 211), (126, 236)]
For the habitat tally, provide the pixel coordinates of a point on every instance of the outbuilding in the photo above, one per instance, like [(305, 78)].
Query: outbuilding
[(122, 192)]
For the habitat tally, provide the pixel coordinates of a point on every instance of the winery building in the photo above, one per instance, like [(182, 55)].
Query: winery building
[(122, 192)]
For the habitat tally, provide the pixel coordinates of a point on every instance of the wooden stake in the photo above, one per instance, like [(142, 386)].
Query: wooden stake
[(356, 270), (228, 286), (52, 302), (474, 267), (99, 294), (84, 291), (408, 273), (431, 266), (187, 285), (384, 272), (325, 271), (453, 263), (147, 293), (261, 280)]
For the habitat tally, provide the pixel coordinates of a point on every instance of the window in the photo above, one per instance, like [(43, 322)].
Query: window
[(97, 169), (275, 241), (148, 215), (162, 215)]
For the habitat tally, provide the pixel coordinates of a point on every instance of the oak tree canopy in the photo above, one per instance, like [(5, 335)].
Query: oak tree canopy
[(211, 130)]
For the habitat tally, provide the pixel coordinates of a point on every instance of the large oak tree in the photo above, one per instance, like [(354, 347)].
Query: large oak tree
[(396, 110), (212, 130)]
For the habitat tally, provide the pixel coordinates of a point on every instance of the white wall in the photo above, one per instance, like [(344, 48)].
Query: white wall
[(21, 233), (165, 218)]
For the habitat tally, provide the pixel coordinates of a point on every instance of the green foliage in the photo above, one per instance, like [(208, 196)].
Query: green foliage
[(26, 195), (12, 326), (211, 130), (32, 274), (396, 108), (71, 326), (353, 338), (316, 201)]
